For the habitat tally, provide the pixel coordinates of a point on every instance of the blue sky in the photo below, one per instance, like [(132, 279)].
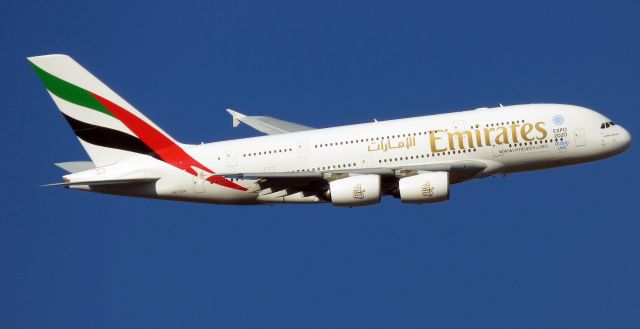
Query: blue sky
[(550, 249)]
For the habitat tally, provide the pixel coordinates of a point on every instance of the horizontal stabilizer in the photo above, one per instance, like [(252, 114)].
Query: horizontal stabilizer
[(267, 125), (105, 182), (76, 166)]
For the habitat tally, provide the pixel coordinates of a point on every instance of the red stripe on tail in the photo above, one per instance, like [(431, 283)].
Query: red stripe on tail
[(168, 151)]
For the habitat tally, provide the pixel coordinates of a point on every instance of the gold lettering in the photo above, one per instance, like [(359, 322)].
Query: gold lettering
[(525, 130), (478, 137), (458, 135), (541, 130), (432, 139), (503, 136), (514, 131), (487, 135)]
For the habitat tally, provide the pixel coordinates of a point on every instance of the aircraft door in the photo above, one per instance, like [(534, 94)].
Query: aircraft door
[(198, 183), (303, 148), (232, 157), (458, 125), (366, 161), (580, 137)]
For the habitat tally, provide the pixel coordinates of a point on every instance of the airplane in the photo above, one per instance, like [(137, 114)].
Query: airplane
[(413, 159)]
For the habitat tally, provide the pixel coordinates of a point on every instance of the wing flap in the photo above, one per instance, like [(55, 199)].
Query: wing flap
[(314, 183), (462, 167)]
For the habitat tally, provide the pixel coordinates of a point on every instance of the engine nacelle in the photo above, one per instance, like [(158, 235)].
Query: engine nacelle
[(425, 188), (353, 191)]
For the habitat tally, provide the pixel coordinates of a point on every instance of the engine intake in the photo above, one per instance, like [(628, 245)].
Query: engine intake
[(425, 187), (353, 191)]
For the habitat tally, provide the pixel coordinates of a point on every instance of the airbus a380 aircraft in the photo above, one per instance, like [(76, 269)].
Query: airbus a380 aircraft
[(414, 159)]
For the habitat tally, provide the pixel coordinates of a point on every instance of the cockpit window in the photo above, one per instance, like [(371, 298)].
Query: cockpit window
[(606, 125)]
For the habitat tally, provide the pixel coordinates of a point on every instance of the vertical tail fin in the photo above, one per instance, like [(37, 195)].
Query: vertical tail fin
[(109, 128)]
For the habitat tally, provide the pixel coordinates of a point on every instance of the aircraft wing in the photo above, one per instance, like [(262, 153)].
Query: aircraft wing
[(267, 125), (309, 184), (459, 169)]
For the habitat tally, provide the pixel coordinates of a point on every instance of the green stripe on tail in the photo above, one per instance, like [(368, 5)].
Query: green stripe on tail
[(70, 92)]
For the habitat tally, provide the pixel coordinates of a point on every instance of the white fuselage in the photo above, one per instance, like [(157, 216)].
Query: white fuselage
[(505, 139)]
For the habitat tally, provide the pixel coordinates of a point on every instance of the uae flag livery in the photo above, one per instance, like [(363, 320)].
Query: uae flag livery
[(108, 127)]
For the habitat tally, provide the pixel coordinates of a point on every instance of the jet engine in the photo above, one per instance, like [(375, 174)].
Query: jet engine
[(353, 191), (426, 187)]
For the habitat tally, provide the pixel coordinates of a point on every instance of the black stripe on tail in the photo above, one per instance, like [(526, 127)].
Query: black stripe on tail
[(108, 137)]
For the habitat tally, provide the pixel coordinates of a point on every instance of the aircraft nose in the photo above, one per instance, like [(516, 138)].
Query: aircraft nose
[(624, 139)]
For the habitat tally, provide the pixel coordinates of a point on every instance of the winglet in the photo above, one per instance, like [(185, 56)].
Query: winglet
[(76, 166), (267, 125), (236, 117)]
